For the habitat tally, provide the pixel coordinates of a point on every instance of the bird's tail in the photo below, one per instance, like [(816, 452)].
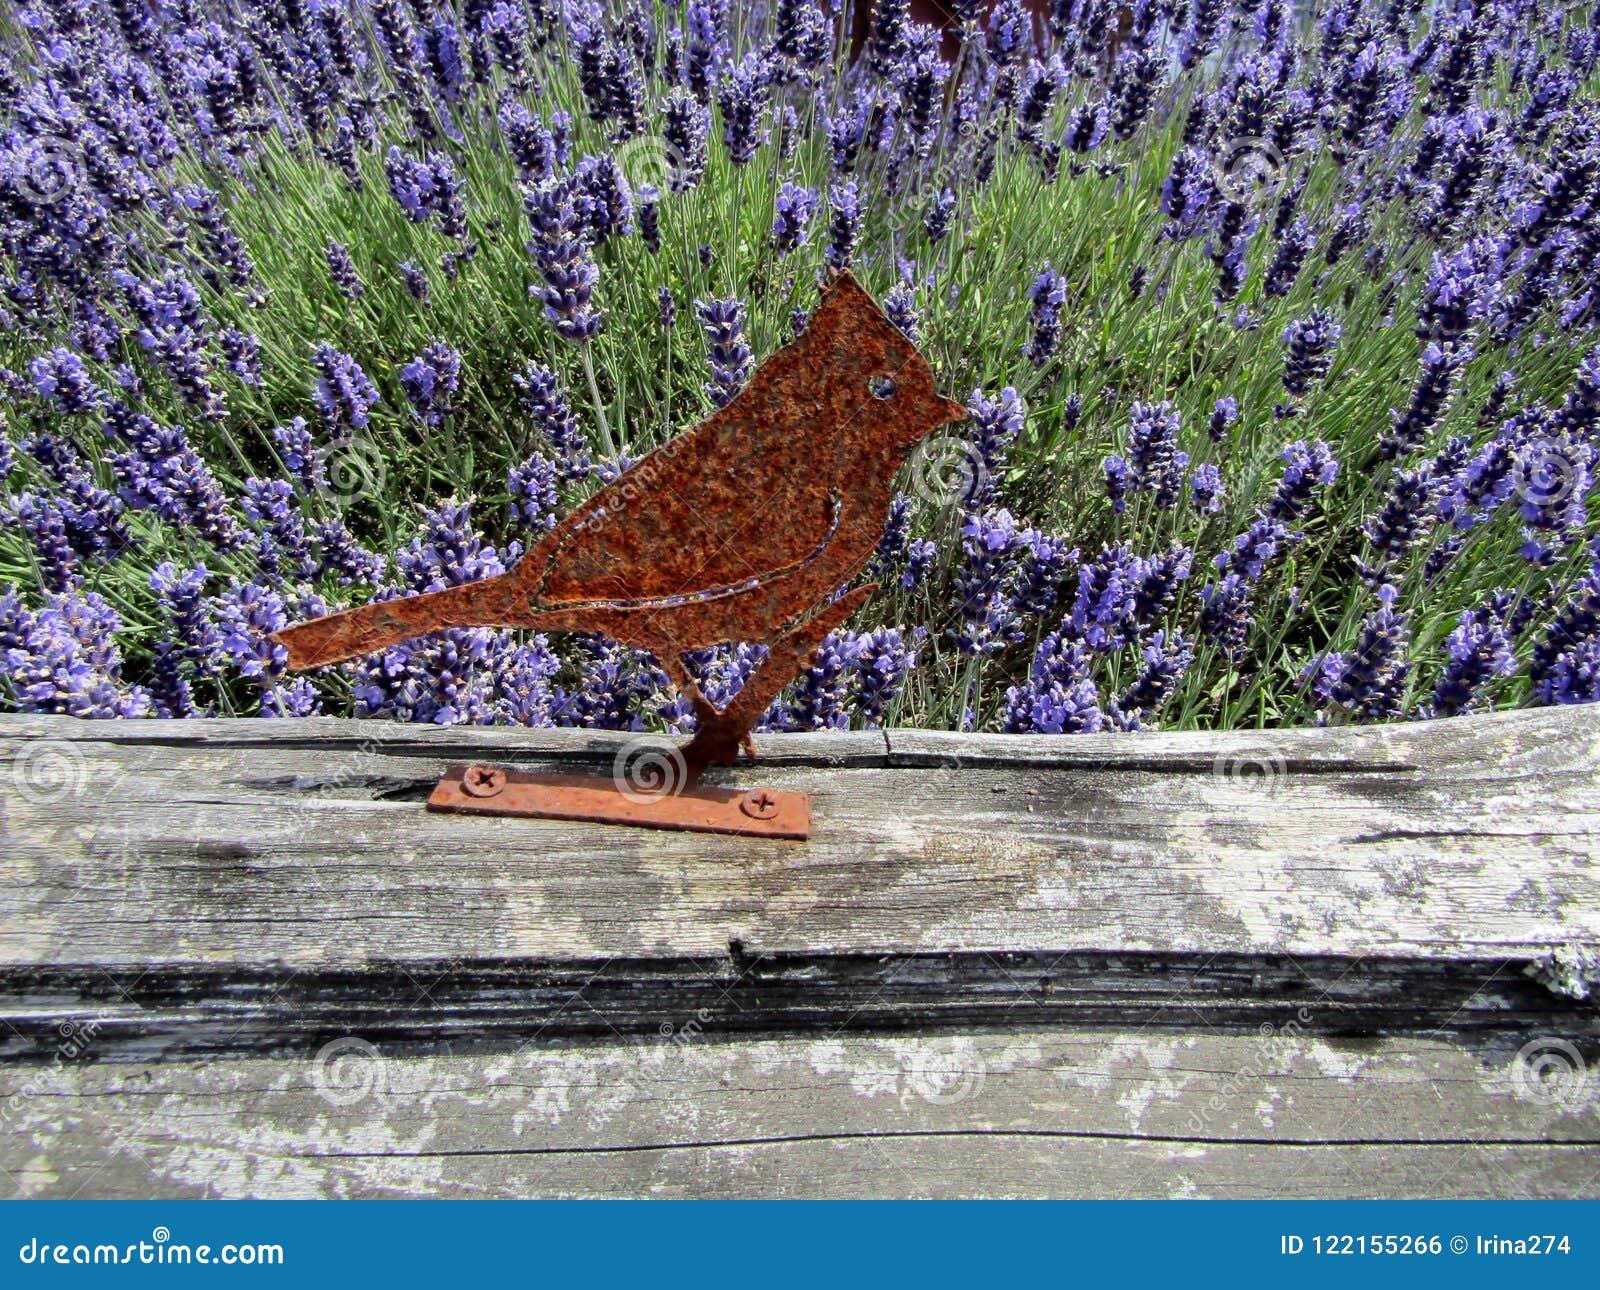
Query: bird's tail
[(489, 602)]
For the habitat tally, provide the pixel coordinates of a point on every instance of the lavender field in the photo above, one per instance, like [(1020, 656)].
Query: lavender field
[(1276, 324)]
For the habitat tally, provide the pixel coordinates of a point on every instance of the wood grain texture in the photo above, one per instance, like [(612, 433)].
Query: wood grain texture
[(254, 886), (1228, 965), (302, 843), (1016, 1113)]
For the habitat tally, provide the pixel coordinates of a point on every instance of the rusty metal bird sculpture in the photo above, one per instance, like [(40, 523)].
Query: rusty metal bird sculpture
[(746, 528)]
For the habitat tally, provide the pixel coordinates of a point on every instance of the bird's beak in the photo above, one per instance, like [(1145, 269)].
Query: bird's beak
[(950, 410)]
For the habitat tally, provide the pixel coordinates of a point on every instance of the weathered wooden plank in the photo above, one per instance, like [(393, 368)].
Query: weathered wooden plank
[(1023, 1112), (303, 844), (248, 886), (465, 1006)]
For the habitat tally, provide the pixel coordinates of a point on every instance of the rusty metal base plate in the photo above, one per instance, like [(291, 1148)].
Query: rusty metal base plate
[(594, 799)]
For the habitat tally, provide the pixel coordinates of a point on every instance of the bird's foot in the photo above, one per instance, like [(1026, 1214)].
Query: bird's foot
[(716, 742)]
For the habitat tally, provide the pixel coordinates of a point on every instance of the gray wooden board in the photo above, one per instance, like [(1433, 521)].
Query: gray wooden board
[(252, 886), (1286, 963), (1018, 1112)]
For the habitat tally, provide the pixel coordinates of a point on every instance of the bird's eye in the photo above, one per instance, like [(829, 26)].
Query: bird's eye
[(882, 387)]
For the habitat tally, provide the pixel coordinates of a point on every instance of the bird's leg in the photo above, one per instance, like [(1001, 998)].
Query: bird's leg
[(718, 742), (683, 681)]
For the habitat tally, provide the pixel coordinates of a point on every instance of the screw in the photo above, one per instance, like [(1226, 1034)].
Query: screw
[(759, 804), (483, 781)]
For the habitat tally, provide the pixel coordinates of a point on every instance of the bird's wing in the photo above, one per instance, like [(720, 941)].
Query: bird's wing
[(746, 494)]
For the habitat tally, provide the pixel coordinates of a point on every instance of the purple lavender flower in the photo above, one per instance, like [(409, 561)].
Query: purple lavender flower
[(534, 499), (1060, 695), (900, 306), (1477, 652), (61, 377), (1252, 550), (1047, 295), (793, 210), (342, 269), (727, 352), (920, 557), (1401, 522), (1206, 488), (540, 394), (64, 658), (647, 212), (666, 309), (1103, 610), (739, 100), (994, 427), (1293, 248), (1086, 127), (1430, 398), (1134, 81), (1154, 463), (984, 584), (44, 519), (1308, 345), (1370, 679), (884, 658), (1306, 467), (936, 222), (430, 381), (415, 280), (1187, 192), (686, 123), (844, 226), (561, 254), (1044, 560), (1166, 659), (1119, 481), (820, 692), (1224, 412), (242, 353), (341, 392), (300, 456)]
